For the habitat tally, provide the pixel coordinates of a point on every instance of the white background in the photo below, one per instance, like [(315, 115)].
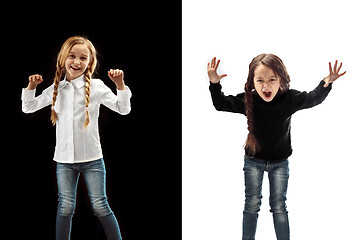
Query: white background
[(323, 195)]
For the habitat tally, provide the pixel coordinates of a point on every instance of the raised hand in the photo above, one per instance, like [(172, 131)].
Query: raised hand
[(34, 80), (334, 74), (212, 68), (117, 76)]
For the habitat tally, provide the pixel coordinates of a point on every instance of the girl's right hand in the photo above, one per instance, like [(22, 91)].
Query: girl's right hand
[(34, 80), (211, 68)]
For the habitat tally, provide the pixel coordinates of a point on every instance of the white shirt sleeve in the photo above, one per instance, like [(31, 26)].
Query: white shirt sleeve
[(31, 104), (119, 103)]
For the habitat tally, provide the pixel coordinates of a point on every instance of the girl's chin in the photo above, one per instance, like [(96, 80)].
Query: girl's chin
[(71, 75), (267, 99)]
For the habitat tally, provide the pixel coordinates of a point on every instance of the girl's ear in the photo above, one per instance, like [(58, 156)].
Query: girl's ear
[(90, 63), (281, 84)]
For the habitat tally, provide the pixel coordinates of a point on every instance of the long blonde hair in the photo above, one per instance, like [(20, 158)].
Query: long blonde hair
[(60, 71)]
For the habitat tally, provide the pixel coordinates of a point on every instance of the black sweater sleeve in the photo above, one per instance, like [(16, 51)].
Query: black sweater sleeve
[(229, 103), (303, 100)]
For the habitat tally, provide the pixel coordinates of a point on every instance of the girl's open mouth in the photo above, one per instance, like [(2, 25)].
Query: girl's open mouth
[(75, 68), (267, 94)]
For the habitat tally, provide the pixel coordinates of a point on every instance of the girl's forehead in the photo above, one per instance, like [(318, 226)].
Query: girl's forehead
[(263, 70), (80, 48)]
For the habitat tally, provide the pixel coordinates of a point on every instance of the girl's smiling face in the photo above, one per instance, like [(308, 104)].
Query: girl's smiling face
[(77, 61), (266, 82)]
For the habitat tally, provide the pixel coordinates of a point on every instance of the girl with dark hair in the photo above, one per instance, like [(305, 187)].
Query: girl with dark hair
[(268, 104)]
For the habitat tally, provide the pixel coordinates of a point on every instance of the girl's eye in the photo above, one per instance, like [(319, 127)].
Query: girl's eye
[(273, 79), (84, 58), (71, 56)]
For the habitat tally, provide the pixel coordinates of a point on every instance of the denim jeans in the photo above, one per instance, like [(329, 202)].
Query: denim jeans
[(94, 174), (278, 174)]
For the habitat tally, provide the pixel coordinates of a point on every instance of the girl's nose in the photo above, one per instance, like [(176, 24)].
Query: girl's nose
[(266, 86)]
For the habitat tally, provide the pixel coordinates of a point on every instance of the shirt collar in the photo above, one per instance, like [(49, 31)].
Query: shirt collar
[(77, 82)]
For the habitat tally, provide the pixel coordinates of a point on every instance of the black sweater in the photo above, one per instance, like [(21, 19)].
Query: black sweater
[(271, 119)]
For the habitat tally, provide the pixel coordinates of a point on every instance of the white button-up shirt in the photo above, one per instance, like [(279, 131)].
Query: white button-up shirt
[(74, 142)]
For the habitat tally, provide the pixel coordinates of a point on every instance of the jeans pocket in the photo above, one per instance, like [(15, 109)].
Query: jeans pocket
[(62, 167), (95, 166)]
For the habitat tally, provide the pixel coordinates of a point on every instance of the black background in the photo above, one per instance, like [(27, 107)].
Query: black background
[(142, 150)]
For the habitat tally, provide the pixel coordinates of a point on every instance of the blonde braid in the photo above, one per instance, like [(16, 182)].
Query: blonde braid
[(58, 74), (87, 76)]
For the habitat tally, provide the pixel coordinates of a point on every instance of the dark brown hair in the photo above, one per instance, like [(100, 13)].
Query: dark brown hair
[(276, 64)]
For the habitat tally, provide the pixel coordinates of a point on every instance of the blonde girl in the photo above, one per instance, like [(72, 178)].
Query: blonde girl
[(75, 99), (268, 103)]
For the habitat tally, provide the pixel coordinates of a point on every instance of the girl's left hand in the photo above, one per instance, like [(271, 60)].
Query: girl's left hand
[(334, 74), (117, 76)]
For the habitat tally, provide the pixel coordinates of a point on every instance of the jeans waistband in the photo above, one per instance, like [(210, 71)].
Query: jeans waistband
[(258, 160)]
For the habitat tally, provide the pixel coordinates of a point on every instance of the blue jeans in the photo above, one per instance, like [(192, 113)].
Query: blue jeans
[(94, 174), (278, 174)]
